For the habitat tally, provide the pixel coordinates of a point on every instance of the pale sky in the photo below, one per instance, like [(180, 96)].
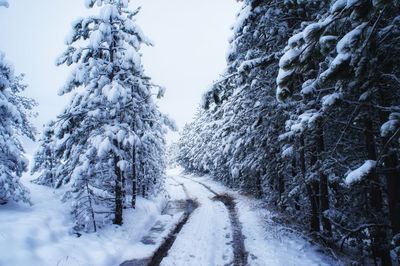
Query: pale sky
[(190, 36)]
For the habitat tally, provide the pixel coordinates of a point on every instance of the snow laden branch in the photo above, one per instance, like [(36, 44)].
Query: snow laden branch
[(4, 3), (107, 146), (15, 112), (358, 174), (306, 117)]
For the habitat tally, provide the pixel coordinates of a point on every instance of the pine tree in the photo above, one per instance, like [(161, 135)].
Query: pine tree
[(111, 134), (343, 65), (45, 159), (246, 117), (15, 112), (172, 154), (323, 147)]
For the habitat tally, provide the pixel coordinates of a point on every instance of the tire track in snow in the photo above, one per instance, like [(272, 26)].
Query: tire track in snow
[(162, 250), (206, 240), (183, 187), (239, 250)]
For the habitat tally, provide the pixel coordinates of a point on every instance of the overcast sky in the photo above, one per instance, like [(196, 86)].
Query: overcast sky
[(190, 36)]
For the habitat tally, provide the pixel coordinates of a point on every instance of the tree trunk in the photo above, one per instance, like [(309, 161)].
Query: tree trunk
[(91, 208), (323, 183), (118, 192), (118, 189), (314, 221), (380, 245), (393, 187), (294, 175), (281, 184), (145, 184), (139, 176), (134, 179), (324, 203), (258, 185), (390, 160)]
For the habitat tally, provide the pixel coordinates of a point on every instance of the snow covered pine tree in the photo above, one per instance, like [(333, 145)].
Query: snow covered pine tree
[(111, 136), (244, 119), (15, 111), (14, 123), (325, 151), (346, 66), (45, 161)]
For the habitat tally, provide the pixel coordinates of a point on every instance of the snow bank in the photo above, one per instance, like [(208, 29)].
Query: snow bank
[(40, 235)]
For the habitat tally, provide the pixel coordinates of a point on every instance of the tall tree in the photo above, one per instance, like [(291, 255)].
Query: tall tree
[(15, 111), (111, 134), (246, 117), (322, 146), (343, 65), (45, 160)]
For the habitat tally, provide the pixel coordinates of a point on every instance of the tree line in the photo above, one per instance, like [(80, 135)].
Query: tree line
[(307, 117)]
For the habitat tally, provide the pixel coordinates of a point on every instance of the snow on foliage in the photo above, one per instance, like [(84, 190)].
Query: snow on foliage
[(391, 126), (15, 112), (109, 141), (361, 172), (342, 70), (335, 69), (45, 160), (236, 137), (4, 3), (288, 152), (330, 99)]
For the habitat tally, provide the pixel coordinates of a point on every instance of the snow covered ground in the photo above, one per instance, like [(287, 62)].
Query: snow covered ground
[(40, 235), (202, 242), (205, 238)]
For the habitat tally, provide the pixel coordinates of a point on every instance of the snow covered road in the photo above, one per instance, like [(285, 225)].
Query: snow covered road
[(206, 238), (227, 229)]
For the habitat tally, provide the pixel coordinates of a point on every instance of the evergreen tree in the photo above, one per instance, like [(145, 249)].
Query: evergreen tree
[(45, 160), (109, 140), (172, 154), (343, 65), (15, 111), (245, 118), (323, 146)]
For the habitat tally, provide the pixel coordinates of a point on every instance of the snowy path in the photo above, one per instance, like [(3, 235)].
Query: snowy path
[(239, 251), (206, 238), (209, 239)]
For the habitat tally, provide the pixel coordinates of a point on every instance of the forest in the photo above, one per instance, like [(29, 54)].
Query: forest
[(303, 123), (306, 117)]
